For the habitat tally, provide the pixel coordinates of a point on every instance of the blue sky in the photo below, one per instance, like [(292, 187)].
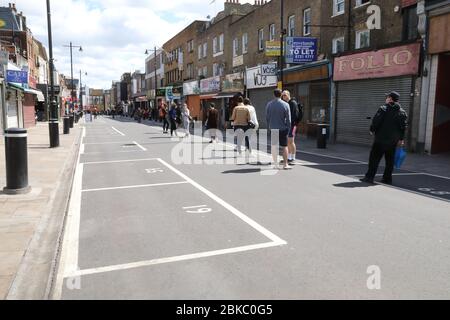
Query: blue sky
[(114, 33)]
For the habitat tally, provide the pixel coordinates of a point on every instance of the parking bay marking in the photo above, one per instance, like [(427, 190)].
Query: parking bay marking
[(71, 271)]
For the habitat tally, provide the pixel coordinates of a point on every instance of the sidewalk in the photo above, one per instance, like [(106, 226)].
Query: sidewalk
[(30, 225)]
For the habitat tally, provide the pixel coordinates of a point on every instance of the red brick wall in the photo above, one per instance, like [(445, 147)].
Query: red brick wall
[(28, 110)]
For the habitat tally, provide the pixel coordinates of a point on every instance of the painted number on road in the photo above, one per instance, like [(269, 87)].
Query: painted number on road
[(154, 170), (434, 192), (197, 209)]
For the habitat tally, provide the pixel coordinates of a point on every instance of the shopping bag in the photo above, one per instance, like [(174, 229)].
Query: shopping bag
[(400, 156)]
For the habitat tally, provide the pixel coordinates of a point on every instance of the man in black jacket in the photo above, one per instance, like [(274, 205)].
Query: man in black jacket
[(389, 127)]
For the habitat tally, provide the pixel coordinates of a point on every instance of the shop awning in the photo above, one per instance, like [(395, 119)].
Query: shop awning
[(208, 96), (38, 93), (15, 86), (226, 95)]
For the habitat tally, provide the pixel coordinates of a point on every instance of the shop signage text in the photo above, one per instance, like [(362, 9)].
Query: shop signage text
[(233, 83), (17, 76), (210, 85), (301, 50), (191, 88), (390, 62), (273, 48), (255, 79), (238, 61)]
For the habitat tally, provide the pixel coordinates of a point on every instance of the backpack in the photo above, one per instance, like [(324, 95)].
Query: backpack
[(297, 115)]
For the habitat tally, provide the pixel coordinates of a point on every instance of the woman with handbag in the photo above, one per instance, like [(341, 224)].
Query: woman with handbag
[(253, 124)]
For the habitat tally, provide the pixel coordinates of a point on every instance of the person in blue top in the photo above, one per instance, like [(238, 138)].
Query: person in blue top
[(278, 116)]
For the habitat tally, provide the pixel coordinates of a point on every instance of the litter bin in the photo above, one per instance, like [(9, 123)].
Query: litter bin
[(66, 122), (322, 135)]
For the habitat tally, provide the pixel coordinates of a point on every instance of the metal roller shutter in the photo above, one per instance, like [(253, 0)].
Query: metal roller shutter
[(260, 98), (359, 100)]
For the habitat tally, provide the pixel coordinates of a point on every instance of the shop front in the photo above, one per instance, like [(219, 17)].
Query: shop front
[(31, 99), (437, 105), (310, 84), (191, 93), (13, 106), (261, 83), (362, 81), (209, 89)]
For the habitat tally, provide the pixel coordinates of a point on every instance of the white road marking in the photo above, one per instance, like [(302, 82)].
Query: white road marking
[(331, 157), (138, 145), (136, 186), (69, 255), (153, 262), (227, 206), (433, 175), (112, 152), (195, 207), (121, 133), (394, 174), (120, 161), (105, 143)]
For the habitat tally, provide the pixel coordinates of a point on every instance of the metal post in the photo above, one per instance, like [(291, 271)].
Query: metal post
[(81, 94), (71, 74), (53, 123), (282, 45), (156, 81), (16, 154)]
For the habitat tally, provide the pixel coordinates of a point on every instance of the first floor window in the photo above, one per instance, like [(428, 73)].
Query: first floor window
[(338, 45), (362, 39)]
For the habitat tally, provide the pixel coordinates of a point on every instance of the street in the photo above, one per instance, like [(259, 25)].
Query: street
[(142, 227)]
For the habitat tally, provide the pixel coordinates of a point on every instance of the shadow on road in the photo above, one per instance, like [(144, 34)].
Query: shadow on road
[(352, 185), (242, 171)]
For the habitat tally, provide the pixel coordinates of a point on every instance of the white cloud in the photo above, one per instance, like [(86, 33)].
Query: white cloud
[(113, 33)]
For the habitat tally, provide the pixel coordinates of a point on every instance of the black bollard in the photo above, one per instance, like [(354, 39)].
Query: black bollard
[(72, 120), (16, 154), (66, 122), (322, 135)]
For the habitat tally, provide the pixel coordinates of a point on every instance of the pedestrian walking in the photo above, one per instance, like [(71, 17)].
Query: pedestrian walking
[(389, 127), (173, 119), (212, 122), (241, 118), (253, 124), (278, 116), (163, 114), (296, 117), (186, 114)]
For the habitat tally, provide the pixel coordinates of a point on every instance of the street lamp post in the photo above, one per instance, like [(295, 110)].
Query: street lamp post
[(71, 46), (53, 123), (283, 32), (81, 92)]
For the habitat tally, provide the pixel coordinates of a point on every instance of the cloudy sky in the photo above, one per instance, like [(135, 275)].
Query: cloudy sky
[(113, 33)]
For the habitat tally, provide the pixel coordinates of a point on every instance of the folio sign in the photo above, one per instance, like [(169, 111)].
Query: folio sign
[(390, 62)]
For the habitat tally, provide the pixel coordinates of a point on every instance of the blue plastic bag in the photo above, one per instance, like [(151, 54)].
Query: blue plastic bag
[(400, 156)]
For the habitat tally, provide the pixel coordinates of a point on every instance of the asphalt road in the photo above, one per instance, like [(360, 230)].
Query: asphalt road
[(142, 225)]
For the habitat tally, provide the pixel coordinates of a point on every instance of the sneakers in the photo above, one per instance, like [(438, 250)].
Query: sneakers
[(388, 182)]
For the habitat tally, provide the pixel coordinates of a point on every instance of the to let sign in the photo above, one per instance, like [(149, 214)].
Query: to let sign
[(17, 76), (392, 62), (301, 50)]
